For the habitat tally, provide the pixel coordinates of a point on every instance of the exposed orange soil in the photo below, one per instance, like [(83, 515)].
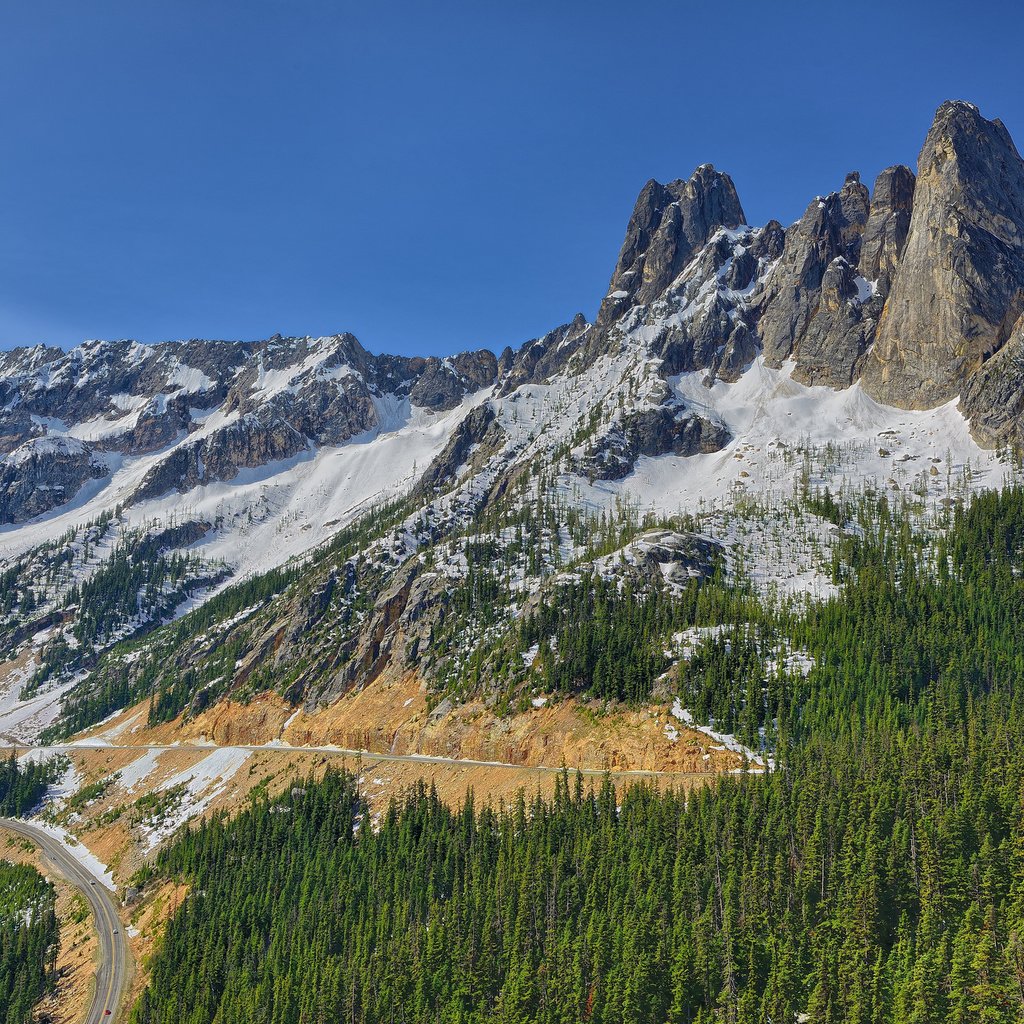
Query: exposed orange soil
[(391, 716)]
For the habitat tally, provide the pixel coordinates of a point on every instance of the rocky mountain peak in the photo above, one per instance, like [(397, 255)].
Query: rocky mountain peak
[(917, 288), (960, 287), (792, 320), (668, 225), (854, 202), (885, 234)]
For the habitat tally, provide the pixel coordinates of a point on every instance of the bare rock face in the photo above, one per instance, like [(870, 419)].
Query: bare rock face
[(44, 473), (703, 320), (669, 429), (669, 224), (695, 326), (674, 557), (885, 235), (478, 432), (443, 383), (993, 398), (960, 286), (245, 444), (831, 228), (540, 359), (840, 331)]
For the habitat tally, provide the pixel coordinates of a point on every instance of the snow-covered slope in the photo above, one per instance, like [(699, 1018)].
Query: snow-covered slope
[(717, 391), (268, 514)]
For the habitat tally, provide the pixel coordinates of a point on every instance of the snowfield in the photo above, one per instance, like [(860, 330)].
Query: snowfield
[(200, 784), (280, 510), (851, 440)]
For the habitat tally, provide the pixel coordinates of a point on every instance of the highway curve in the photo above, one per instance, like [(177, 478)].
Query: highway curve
[(112, 972)]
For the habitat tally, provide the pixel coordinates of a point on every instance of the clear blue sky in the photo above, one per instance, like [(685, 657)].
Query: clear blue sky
[(431, 176)]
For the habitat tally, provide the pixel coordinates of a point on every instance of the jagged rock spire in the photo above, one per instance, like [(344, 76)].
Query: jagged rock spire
[(885, 235), (960, 285), (669, 224)]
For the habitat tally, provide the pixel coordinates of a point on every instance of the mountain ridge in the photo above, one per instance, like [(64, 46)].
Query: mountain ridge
[(394, 486), (798, 294)]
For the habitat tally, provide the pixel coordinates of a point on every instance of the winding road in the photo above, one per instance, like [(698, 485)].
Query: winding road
[(114, 958)]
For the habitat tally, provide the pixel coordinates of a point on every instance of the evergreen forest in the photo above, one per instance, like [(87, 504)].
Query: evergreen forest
[(876, 876)]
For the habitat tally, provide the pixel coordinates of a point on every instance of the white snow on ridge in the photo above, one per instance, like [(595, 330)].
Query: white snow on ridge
[(768, 413), (276, 512), (726, 740), (80, 852), (21, 721), (189, 380), (134, 774), (781, 431), (45, 445)]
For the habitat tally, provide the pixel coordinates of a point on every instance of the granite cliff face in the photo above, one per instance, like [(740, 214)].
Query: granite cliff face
[(669, 224), (885, 234), (44, 472), (207, 409), (915, 290), (959, 287)]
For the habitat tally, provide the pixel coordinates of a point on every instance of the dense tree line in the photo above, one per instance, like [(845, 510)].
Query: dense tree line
[(22, 786), (599, 638), (28, 941), (919, 620), (876, 877), (142, 582), (876, 882)]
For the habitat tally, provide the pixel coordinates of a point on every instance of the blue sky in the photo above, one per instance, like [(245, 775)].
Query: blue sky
[(432, 177)]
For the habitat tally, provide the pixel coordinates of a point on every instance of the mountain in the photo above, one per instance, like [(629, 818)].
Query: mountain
[(958, 296), (744, 549), (198, 520)]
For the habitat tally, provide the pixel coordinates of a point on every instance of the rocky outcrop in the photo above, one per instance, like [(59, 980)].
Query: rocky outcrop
[(405, 598), (993, 398), (885, 235), (701, 322), (320, 388), (541, 358), (672, 557), (284, 395), (838, 334), (669, 429), (830, 229), (478, 434), (960, 286), (669, 224), (326, 412), (245, 444), (443, 383), (44, 473)]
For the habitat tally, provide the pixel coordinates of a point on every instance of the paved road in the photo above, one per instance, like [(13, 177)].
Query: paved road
[(368, 756), (114, 966)]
